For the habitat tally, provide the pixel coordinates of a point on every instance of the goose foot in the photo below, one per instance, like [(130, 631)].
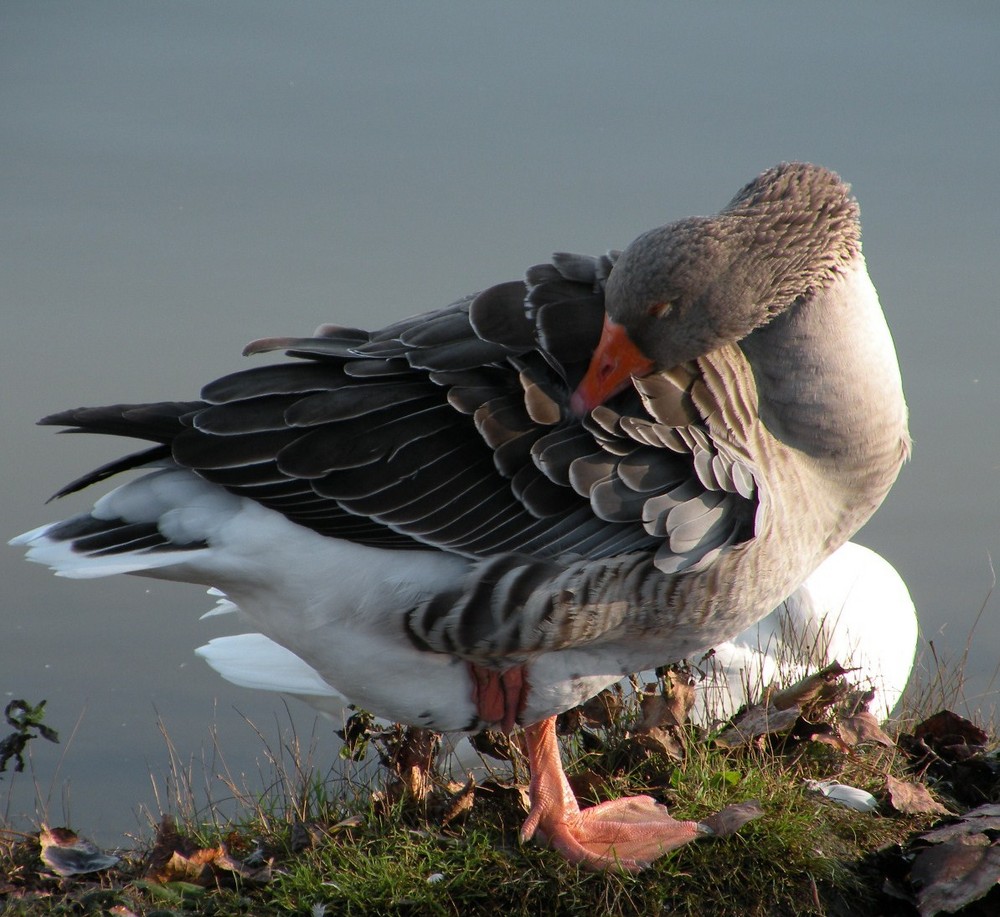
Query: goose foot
[(622, 834)]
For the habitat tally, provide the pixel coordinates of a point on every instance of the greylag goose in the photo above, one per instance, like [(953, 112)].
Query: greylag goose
[(853, 608), (482, 516)]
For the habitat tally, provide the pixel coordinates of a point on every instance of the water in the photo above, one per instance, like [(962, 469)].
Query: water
[(177, 181)]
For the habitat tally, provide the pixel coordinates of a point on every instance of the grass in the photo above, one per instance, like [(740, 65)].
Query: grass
[(313, 838), (804, 849)]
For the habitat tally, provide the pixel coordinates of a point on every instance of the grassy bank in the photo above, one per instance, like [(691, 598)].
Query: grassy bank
[(416, 842)]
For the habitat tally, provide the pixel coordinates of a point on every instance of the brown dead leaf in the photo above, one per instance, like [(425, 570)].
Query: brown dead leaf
[(203, 867), (662, 742), (512, 799), (950, 875), (730, 819), (569, 721), (68, 854), (175, 858), (414, 784), (680, 695), (260, 874), (168, 840), (952, 750), (823, 733), (589, 786), (460, 804), (978, 821), (359, 729), (604, 709), (303, 835), (754, 722), (499, 745), (409, 754), (858, 700), (862, 727), (352, 821), (416, 748), (195, 868), (951, 736), (912, 798), (669, 707), (820, 689)]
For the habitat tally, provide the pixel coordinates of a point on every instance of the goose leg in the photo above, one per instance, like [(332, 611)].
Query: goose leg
[(499, 696), (626, 834)]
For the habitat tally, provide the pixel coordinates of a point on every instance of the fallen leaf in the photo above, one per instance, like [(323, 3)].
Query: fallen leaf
[(952, 751), (824, 733), (951, 736), (669, 707), (415, 748), (196, 868), (912, 798), (409, 754), (661, 741), (834, 741), (303, 835), (858, 700), (460, 804), (175, 861), (822, 687), (498, 744), (67, 854), (588, 786), (730, 819), (977, 821), (357, 732), (604, 709), (862, 727), (514, 796), (352, 821), (951, 875), (756, 721), (168, 840), (259, 874)]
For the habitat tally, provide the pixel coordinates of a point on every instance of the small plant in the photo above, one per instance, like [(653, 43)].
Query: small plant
[(28, 725)]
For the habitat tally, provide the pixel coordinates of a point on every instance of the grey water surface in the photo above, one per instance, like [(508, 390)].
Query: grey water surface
[(178, 179)]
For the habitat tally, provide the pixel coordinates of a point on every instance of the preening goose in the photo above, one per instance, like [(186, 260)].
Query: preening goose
[(483, 515)]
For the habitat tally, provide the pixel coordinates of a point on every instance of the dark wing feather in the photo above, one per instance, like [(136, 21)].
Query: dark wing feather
[(452, 430)]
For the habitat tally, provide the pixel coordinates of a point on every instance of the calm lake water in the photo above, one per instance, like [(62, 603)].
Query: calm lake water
[(180, 179)]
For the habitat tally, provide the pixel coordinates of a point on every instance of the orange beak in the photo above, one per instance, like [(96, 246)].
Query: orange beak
[(612, 367)]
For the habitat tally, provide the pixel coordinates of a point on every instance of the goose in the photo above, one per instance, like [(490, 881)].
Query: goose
[(483, 515), (854, 608)]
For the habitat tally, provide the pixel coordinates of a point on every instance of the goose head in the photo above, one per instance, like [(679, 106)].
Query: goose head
[(685, 289)]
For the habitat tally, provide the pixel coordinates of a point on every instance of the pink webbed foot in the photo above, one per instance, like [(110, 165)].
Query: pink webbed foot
[(625, 834)]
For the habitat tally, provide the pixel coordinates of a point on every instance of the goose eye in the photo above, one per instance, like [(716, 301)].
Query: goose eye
[(660, 309)]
